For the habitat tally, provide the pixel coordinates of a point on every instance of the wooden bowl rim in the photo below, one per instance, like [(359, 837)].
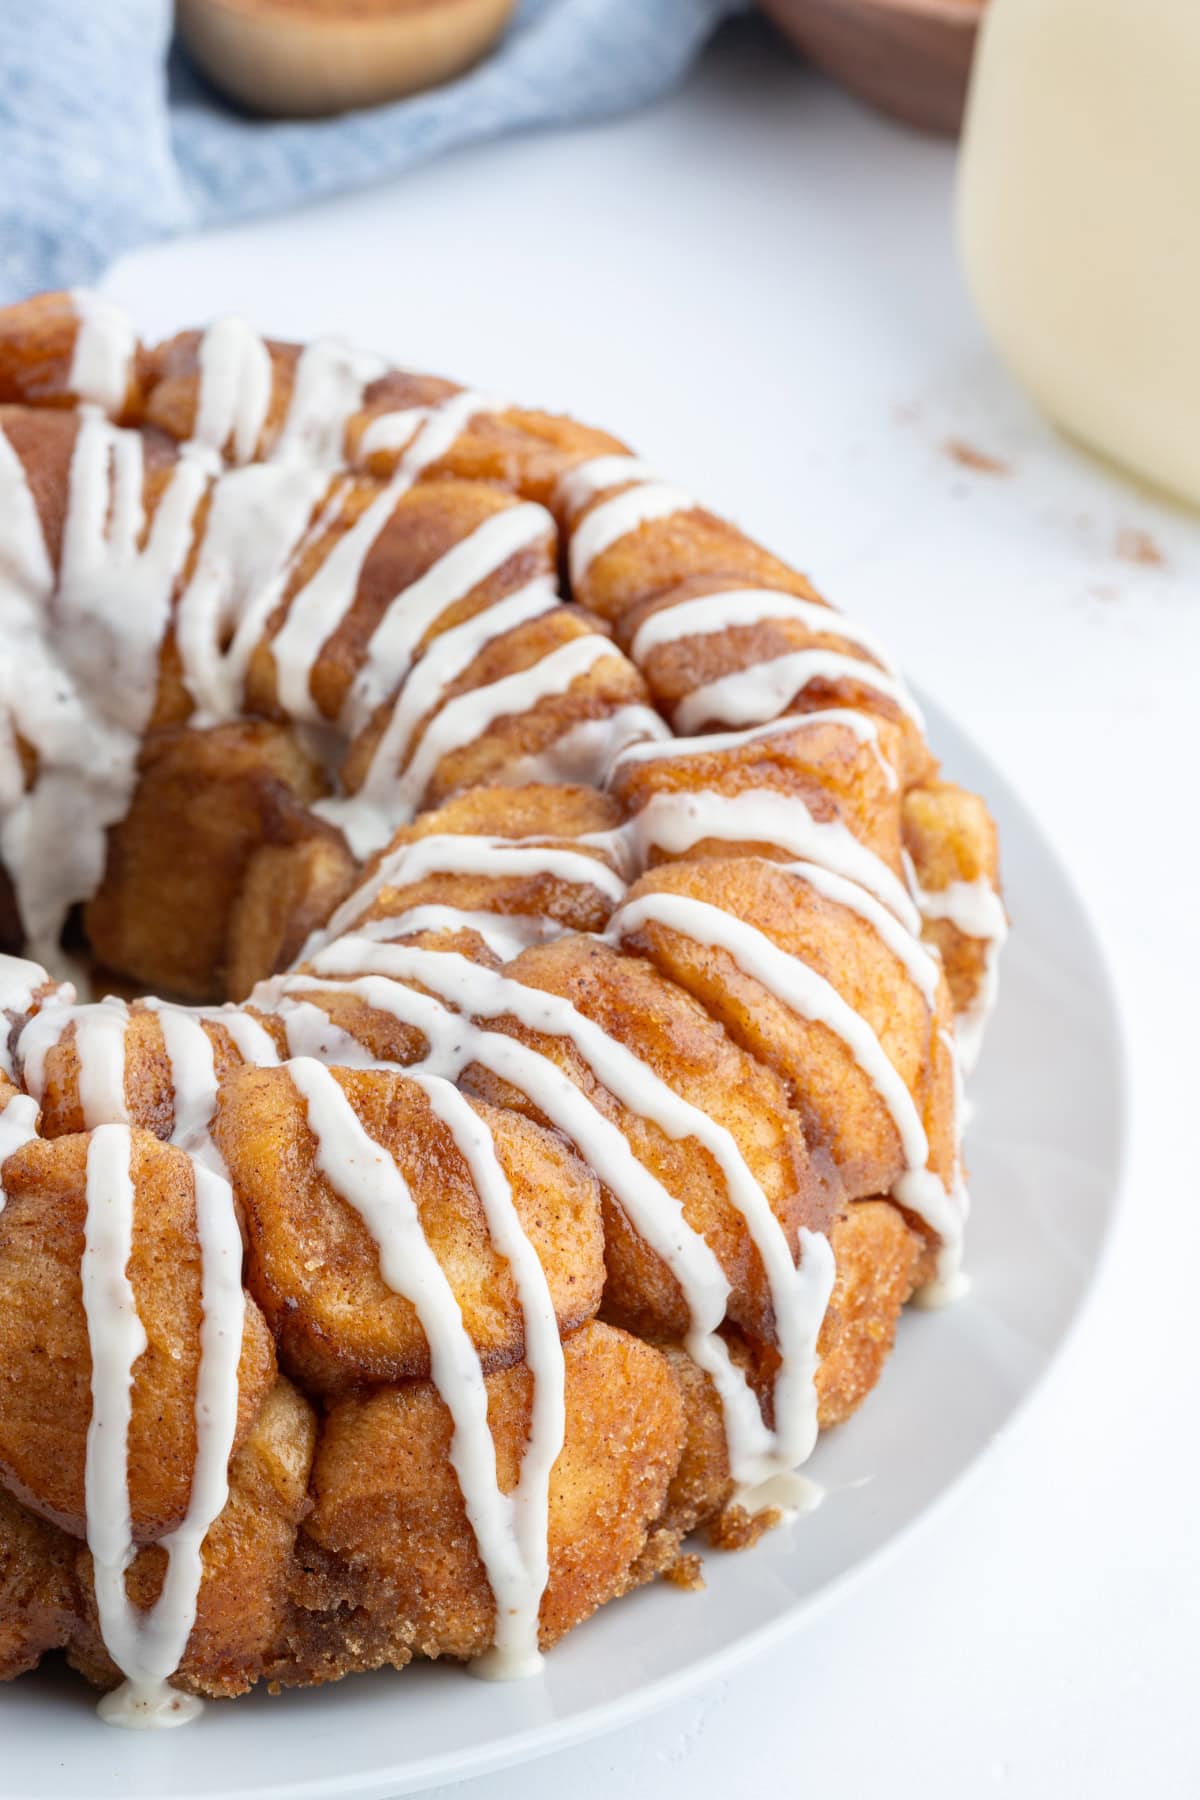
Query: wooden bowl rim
[(307, 18), (955, 14)]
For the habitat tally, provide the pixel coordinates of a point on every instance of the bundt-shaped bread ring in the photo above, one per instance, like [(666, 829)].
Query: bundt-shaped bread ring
[(563, 952)]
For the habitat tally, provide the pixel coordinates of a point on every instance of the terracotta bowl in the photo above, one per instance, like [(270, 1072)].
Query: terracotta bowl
[(910, 58)]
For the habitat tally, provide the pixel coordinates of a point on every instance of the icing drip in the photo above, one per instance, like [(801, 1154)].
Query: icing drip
[(18, 1126), (193, 1079), (764, 689), (310, 1033), (148, 1647), (261, 516), (599, 473), (460, 854), (614, 519), (507, 934), (328, 388), (318, 608), (102, 360), (99, 1045), (235, 389), (812, 997), (100, 1048), (863, 726), (708, 614), (19, 981), (510, 1529), (391, 431), (586, 753), (674, 822), (922, 968), (975, 909), (472, 561)]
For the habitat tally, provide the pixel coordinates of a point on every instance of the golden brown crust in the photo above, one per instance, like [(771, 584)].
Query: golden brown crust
[(46, 1363), (38, 1599), (205, 804), (386, 1501)]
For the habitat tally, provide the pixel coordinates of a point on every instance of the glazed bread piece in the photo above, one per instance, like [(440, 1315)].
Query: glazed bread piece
[(608, 929), (311, 1258)]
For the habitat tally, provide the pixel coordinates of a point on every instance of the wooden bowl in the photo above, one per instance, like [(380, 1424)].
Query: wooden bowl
[(303, 58), (910, 58)]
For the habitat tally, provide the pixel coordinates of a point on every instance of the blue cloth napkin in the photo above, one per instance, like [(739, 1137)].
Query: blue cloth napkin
[(109, 138)]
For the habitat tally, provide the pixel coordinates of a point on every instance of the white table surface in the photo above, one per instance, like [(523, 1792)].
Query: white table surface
[(755, 282)]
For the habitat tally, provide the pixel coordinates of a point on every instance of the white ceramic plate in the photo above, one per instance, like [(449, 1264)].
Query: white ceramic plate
[(1045, 1149)]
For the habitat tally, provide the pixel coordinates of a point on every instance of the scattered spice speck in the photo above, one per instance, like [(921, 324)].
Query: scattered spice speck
[(968, 456), (1137, 546)]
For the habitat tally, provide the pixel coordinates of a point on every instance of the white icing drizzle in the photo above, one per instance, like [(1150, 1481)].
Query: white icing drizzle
[(764, 689), (391, 796), (514, 1651), (599, 473), (814, 998), (309, 1032), (49, 840), (510, 1529), (614, 519), (235, 389), (463, 854), (863, 726), (367, 817), (258, 523), (391, 431), (920, 965), (790, 1495), (19, 981), (193, 1078), (18, 1126), (100, 1048), (148, 1647), (252, 1041), (587, 752), (507, 934), (318, 608), (102, 359), (708, 614), (414, 611), (975, 909), (328, 387), (674, 822)]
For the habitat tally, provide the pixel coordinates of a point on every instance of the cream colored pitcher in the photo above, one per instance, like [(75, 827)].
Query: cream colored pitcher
[(1079, 212)]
